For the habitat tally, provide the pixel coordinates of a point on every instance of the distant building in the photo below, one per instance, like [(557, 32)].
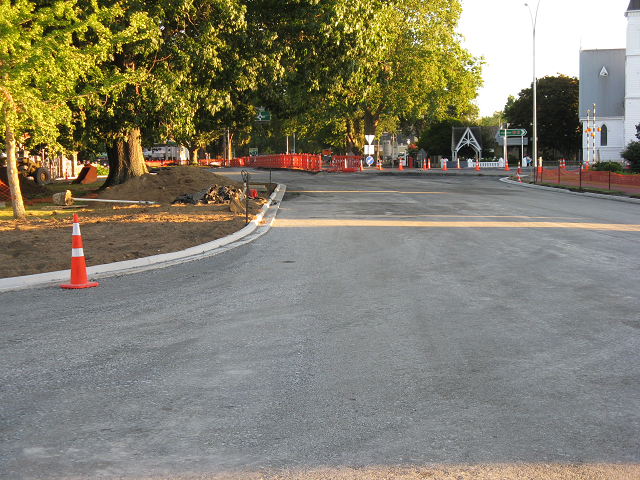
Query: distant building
[(610, 79)]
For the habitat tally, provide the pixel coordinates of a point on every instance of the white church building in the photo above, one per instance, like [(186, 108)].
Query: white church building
[(610, 79)]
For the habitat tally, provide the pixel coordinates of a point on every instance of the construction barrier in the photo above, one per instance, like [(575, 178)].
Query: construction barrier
[(5, 192), (345, 163), (591, 179), (312, 163)]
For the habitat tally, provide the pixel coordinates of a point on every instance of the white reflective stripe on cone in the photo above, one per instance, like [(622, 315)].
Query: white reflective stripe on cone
[(77, 252), (76, 229)]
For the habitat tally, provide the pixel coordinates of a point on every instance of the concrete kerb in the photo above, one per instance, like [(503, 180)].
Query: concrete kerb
[(616, 198), (256, 228)]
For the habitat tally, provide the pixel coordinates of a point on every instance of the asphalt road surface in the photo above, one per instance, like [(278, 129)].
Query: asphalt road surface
[(384, 327)]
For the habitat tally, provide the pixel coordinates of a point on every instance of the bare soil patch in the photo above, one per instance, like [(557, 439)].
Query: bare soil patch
[(121, 232)]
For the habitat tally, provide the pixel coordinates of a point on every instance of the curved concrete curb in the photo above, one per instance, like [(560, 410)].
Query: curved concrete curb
[(256, 228), (561, 190)]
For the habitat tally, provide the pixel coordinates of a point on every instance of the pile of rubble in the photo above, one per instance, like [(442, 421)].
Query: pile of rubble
[(215, 194)]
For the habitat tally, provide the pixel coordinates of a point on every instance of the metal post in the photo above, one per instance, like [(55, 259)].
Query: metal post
[(245, 178), (506, 125), (534, 21), (593, 133)]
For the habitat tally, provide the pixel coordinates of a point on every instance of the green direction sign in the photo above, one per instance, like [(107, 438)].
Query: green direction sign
[(263, 116), (513, 132), (253, 152)]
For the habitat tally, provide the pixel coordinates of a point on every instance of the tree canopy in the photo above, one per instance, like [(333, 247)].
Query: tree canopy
[(50, 57), (558, 119), (116, 74)]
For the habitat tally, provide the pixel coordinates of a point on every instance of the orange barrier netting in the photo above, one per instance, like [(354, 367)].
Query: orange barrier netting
[(312, 163), (345, 163), (591, 178), (5, 192)]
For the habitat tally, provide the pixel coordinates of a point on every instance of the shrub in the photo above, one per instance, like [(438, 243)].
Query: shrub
[(607, 167), (102, 170), (632, 154)]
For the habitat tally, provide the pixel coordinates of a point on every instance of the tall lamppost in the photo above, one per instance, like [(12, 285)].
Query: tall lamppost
[(534, 20)]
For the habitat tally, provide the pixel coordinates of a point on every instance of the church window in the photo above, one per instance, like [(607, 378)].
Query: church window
[(603, 135)]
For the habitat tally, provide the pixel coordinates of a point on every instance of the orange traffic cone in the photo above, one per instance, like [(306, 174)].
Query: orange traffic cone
[(519, 178), (361, 166), (477, 169), (458, 163), (78, 266), (506, 164), (400, 164), (428, 164), (379, 165), (519, 171), (424, 164), (444, 164)]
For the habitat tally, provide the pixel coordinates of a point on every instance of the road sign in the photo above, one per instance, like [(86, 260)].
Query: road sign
[(263, 116), (513, 132), (369, 149), (369, 160), (369, 138), (253, 152)]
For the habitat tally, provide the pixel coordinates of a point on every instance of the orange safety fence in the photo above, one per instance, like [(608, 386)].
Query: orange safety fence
[(345, 163), (592, 179), (312, 163), (5, 192)]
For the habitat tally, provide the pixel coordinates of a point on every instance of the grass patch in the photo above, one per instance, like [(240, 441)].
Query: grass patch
[(6, 213), (573, 188)]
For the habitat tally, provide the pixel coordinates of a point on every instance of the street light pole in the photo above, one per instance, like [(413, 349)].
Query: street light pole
[(534, 20)]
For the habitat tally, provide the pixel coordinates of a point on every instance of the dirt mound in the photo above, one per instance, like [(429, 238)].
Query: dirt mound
[(166, 185), (113, 233)]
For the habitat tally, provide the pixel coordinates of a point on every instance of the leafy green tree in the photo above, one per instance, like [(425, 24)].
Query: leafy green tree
[(558, 120), (350, 65), (631, 153), (436, 140), (492, 121), (49, 61), (422, 74)]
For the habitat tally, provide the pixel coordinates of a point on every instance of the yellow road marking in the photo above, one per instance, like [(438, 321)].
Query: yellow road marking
[(284, 223)]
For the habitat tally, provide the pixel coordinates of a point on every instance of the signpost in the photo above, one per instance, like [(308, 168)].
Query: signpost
[(263, 116), (513, 132), (369, 149)]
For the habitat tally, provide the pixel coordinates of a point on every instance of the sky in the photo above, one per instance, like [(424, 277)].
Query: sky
[(502, 32)]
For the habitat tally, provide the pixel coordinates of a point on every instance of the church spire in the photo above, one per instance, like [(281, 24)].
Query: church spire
[(634, 5)]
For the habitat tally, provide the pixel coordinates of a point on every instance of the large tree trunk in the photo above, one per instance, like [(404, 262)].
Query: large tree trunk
[(125, 159), (13, 178), (371, 120), (350, 140), (193, 155)]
